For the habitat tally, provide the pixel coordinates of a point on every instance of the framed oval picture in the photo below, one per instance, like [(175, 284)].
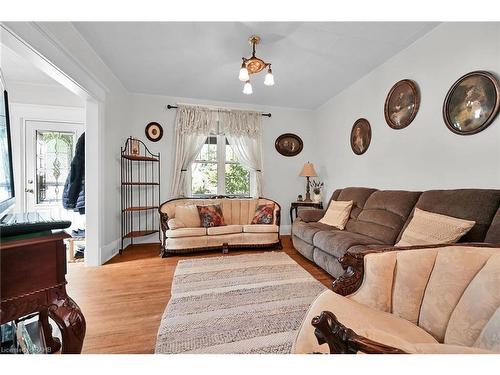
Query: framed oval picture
[(401, 104), (361, 136), (289, 144), (154, 131), (472, 103)]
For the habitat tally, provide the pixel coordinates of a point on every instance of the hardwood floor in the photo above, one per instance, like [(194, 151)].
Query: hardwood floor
[(123, 300)]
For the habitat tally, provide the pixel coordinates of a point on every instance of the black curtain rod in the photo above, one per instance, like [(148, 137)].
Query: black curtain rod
[(169, 106)]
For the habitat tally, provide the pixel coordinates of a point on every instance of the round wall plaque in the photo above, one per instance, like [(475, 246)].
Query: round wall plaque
[(361, 136), (401, 104), (472, 103), (289, 144), (154, 131)]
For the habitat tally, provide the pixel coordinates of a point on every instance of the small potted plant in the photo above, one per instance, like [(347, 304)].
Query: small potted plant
[(316, 188)]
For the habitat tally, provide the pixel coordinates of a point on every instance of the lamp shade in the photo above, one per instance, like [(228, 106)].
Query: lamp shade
[(308, 170)]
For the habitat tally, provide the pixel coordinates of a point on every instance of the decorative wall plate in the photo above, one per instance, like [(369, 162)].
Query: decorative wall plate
[(401, 104), (472, 103), (361, 136), (154, 131), (289, 144)]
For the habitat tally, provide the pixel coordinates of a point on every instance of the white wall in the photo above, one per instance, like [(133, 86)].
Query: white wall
[(116, 117), (281, 181), (43, 94), (426, 154)]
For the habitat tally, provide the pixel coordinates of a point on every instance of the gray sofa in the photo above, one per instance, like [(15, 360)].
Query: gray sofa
[(379, 217)]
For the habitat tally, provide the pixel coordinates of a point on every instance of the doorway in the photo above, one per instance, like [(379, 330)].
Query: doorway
[(37, 47), (49, 150)]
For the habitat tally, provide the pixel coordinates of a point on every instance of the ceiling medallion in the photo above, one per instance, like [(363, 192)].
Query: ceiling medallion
[(254, 65)]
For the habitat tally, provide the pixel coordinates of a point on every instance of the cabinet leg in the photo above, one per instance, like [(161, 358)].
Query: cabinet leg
[(53, 343), (70, 320), (225, 248)]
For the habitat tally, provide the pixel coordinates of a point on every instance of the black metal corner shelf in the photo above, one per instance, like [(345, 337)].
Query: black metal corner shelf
[(140, 192)]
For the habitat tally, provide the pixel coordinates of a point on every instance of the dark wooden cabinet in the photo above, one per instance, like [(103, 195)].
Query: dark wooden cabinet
[(294, 206), (33, 280)]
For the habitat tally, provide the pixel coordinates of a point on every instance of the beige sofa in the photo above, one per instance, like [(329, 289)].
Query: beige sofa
[(237, 233), (438, 299)]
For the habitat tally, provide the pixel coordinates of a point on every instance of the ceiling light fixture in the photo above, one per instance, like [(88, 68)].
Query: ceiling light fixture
[(254, 65), (247, 88)]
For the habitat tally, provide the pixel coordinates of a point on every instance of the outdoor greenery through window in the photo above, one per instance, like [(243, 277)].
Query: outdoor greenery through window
[(216, 170)]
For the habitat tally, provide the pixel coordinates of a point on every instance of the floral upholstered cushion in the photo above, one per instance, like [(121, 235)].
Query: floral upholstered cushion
[(211, 216), (264, 214)]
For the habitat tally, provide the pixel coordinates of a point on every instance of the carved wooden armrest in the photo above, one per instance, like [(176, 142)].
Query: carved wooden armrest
[(354, 264), (343, 340), (164, 221)]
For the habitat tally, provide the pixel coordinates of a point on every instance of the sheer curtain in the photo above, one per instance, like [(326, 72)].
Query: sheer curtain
[(193, 124), (243, 130), (192, 127)]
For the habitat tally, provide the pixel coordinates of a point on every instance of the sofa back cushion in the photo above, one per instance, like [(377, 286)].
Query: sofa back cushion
[(186, 216), (384, 214), (477, 306), (452, 273), (493, 234), (451, 292), (358, 195), (479, 205), (410, 281), (488, 338), (236, 211)]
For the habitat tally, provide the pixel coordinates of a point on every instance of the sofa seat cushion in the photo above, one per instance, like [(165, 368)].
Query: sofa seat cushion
[(225, 229), (306, 231), (186, 232), (337, 243), (260, 228), (376, 325)]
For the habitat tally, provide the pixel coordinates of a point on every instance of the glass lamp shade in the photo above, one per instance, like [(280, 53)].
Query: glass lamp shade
[(308, 170), (247, 89), (243, 76), (269, 80)]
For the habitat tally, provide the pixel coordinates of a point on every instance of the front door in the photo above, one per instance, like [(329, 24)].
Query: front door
[(50, 147)]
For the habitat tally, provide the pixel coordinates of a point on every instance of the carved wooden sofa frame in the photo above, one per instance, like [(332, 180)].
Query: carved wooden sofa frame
[(341, 339), (226, 247)]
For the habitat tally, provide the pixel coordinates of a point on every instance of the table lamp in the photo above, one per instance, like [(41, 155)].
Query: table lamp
[(308, 171)]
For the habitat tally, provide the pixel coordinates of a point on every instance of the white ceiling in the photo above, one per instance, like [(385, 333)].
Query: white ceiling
[(311, 61)]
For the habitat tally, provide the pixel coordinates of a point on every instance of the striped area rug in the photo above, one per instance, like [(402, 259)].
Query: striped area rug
[(251, 303)]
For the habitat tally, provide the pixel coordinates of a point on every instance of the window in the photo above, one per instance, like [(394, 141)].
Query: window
[(216, 170), (54, 152)]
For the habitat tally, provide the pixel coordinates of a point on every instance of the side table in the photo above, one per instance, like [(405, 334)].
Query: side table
[(294, 206)]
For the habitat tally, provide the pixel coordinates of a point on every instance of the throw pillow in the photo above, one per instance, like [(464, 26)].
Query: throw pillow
[(428, 228), (211, 216), (337, 214), (188, 215), (264, 214)]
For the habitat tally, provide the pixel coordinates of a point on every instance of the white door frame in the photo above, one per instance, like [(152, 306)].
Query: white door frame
[(27, 39)]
